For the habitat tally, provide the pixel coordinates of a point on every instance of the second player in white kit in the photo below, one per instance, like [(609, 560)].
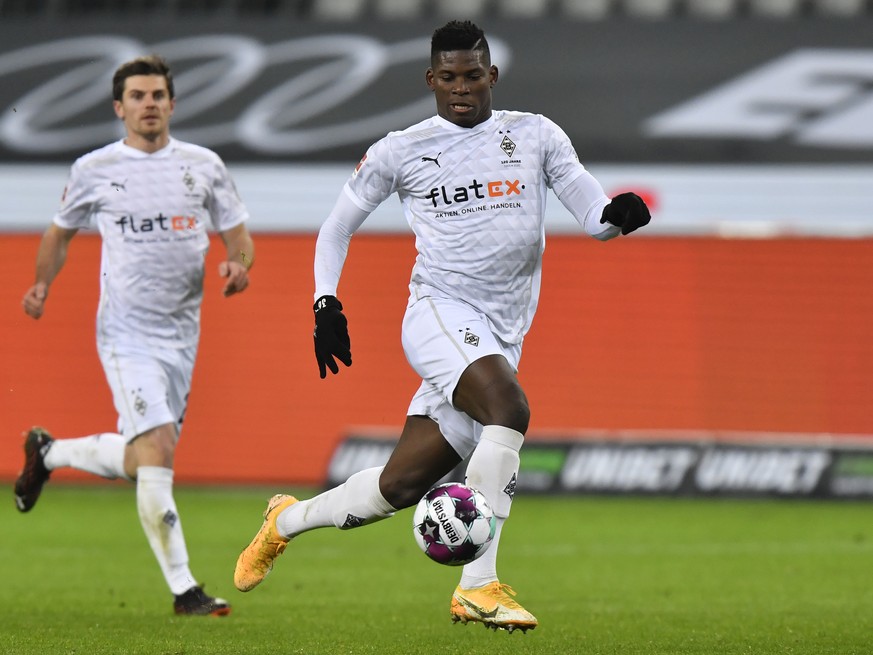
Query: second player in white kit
[(153, 211), (153, 199)]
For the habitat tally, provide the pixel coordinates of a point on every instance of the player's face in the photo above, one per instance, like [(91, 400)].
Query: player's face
[(146, 107), (461, 81)]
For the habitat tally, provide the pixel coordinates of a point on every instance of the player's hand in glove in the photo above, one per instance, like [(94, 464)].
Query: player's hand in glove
[(331, 335), (627, 211)]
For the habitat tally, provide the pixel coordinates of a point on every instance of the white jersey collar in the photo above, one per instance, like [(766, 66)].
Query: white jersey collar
[(142, 154), (484, 125)]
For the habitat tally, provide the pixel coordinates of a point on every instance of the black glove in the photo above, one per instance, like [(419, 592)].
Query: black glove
[(331, 335), (627, 211)]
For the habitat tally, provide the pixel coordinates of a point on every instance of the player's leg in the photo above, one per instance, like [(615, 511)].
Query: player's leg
[(480, 408), (150, 393), (489, 391), (100, 454), (150, 456), (420, 458), (150, 459)]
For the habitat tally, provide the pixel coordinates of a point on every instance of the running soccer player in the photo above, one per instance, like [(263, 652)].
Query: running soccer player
[(472, 182), (152, 198)]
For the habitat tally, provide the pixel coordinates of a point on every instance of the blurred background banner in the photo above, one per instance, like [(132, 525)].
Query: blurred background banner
[(696, 463), (745, 307), (277, 88)]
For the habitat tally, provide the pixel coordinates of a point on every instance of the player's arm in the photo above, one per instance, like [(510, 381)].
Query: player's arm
[(581, 193), (331, 333), (50, 258), (601, 217), (240, 258), (585, 199)]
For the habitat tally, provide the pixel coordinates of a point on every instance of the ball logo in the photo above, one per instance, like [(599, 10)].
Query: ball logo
[(443, 517)]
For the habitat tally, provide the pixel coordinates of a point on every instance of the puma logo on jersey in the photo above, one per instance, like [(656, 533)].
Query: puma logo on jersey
[(435, 160), (118, 186)]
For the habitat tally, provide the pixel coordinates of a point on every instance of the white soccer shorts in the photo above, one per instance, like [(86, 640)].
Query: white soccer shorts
[(149, 387), (441, 338)]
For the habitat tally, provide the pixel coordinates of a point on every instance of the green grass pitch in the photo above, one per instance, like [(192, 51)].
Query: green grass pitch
[(603, 575)]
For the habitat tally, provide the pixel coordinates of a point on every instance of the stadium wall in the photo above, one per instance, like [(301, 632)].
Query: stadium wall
[(744, 307), (665, 333)]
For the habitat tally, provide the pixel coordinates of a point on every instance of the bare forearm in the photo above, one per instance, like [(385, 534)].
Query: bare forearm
[(52, 254), (240, 247), (50, 258), (240, 258)]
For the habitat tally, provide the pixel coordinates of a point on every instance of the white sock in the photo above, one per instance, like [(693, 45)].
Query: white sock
[(485, 570), (160, 521), (493, 470), (354, 503), (100, 454)]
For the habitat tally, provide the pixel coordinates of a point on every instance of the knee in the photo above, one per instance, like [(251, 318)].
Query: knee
[(156, 447), (489, 392), (402, 491), (519, 418), (509, 409)]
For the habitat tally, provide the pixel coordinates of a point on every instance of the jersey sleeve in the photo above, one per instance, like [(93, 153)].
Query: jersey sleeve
[(373, 181), (77, 200), (332, 244), (585, 199), (560, 163), (225, 206), (575, 187), (375, 177)]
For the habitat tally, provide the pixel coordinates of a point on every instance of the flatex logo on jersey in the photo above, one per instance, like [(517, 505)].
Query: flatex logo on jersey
[(159, 223), (507, 191)]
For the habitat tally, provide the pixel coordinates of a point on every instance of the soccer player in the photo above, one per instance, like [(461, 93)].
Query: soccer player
[(472, 182), (153, 199)]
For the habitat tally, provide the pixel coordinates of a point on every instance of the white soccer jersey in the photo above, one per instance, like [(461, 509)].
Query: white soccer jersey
[(475, 199), (153, 211)]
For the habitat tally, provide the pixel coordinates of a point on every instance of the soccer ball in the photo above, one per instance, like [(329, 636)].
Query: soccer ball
[(453, 524)]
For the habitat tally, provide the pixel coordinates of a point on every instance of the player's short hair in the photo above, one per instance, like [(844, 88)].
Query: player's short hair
[(147, 65), (459, 35)]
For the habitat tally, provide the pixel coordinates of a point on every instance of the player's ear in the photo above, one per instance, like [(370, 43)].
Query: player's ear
[(428, 78), (119, 110), (493, 74)]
